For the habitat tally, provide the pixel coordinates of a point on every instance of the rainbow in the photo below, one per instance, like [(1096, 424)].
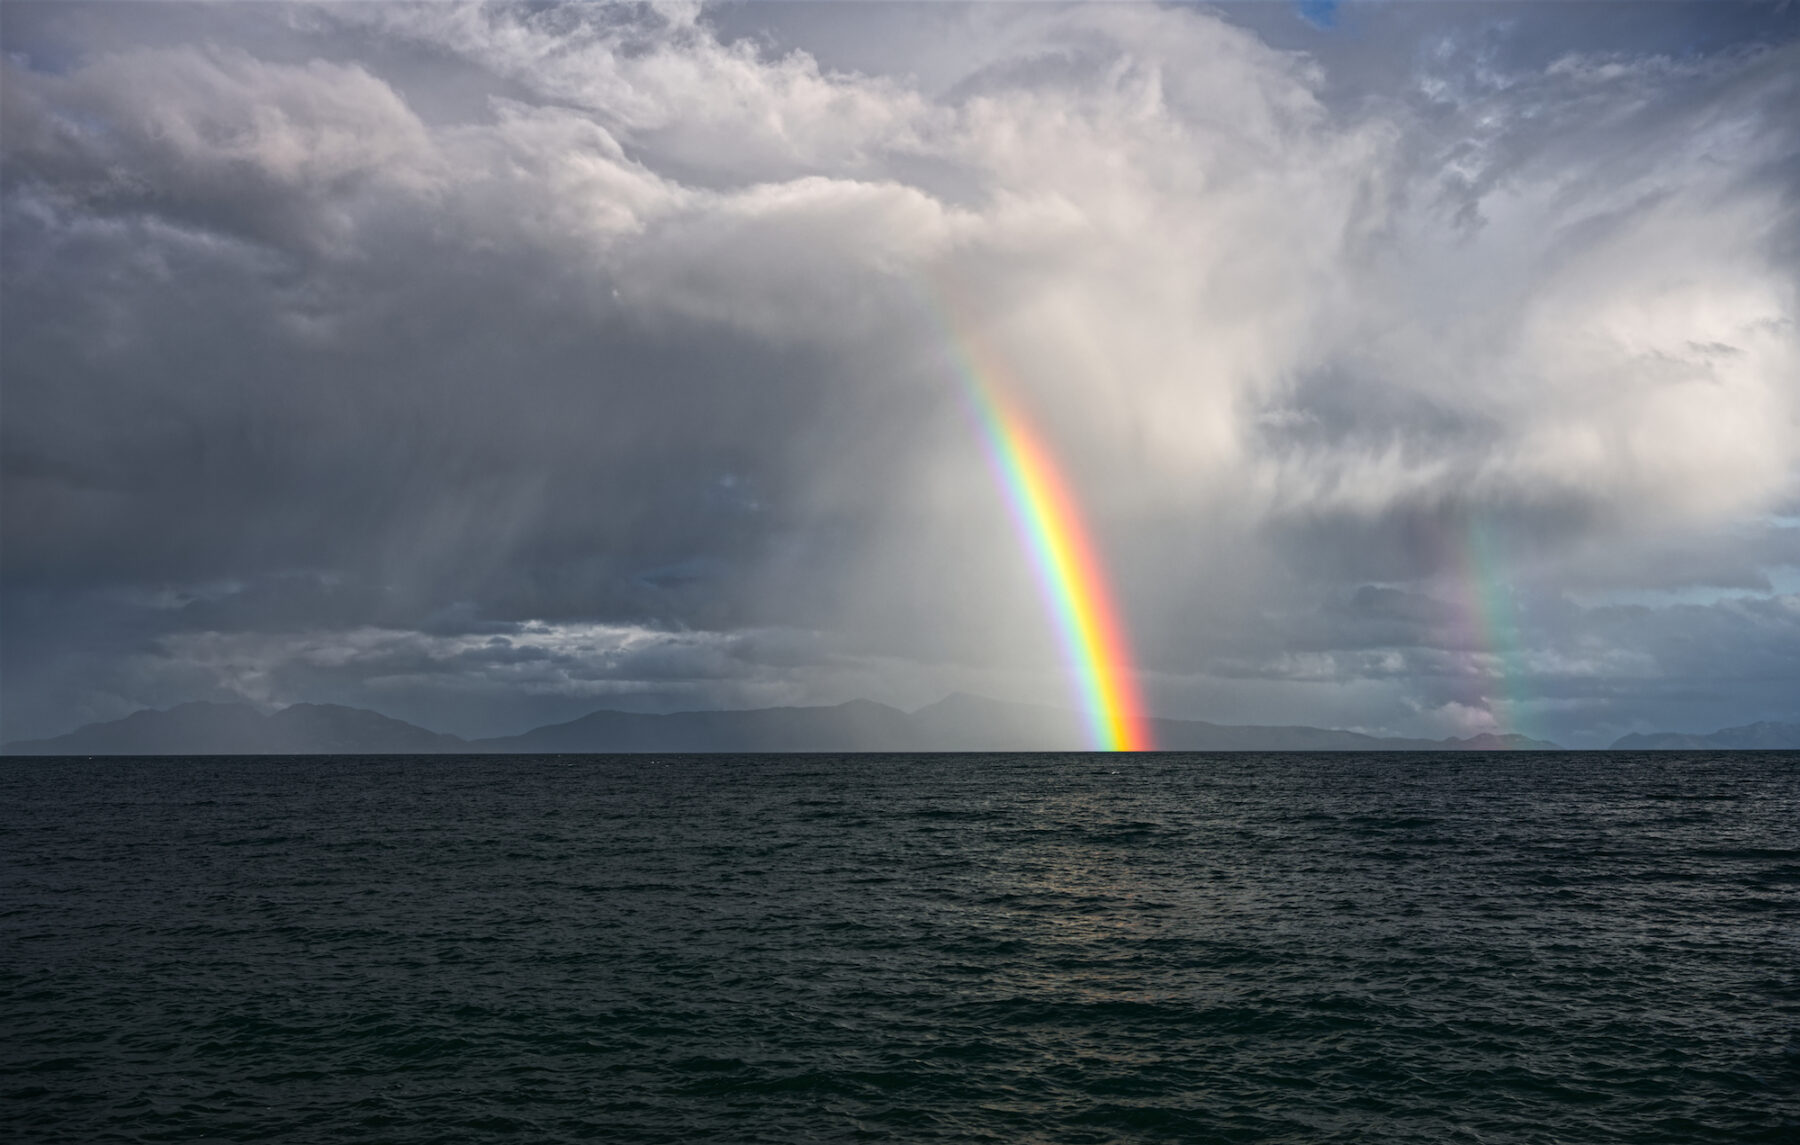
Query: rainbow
[(1064, 556), (1488, 610)]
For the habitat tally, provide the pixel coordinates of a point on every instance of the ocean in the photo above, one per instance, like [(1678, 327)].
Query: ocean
[(1598, 947)]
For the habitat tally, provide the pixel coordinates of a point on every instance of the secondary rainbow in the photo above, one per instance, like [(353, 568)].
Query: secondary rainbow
[(1487, 606), (1067, 563)]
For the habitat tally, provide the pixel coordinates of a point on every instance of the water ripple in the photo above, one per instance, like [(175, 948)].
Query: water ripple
[(1068, 948)]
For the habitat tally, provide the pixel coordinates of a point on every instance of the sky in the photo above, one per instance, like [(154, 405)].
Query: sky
[(1419, 369)]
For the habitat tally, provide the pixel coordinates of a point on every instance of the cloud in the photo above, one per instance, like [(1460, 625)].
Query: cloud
[(411, 319), (216, 138)]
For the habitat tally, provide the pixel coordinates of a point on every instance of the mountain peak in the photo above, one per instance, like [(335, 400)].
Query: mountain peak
[(204, 727), (1763, 735)]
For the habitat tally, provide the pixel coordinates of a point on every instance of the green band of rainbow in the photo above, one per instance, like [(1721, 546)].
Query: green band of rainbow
[(1064, 557)]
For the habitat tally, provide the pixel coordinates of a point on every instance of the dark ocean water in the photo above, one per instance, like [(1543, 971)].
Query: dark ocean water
[(1051, 948)]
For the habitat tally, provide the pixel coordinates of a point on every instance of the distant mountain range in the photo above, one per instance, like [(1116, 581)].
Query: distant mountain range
[(956, 723), (239, 729), (1760, 736)]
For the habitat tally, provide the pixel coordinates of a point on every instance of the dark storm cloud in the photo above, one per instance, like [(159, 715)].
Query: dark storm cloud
[(488, 363), (267, 416)]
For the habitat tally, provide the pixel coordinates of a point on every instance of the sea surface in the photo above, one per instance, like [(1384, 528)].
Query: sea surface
[(1597, 947)]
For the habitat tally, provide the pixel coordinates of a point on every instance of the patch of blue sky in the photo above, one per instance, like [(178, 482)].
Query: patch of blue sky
[(1319, 13)]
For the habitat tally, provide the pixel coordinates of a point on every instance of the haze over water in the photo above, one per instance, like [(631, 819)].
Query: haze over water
[(1070, 948)]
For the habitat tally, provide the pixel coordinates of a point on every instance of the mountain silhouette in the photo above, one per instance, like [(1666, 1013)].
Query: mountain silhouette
[(860, 725), (958, 722), (1764, 735), (238, 729)]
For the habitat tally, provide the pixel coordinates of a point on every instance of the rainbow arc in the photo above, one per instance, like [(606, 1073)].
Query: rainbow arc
[(1063, 554)]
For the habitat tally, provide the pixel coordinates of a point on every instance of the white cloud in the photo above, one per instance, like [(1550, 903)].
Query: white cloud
[(283, 149)]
